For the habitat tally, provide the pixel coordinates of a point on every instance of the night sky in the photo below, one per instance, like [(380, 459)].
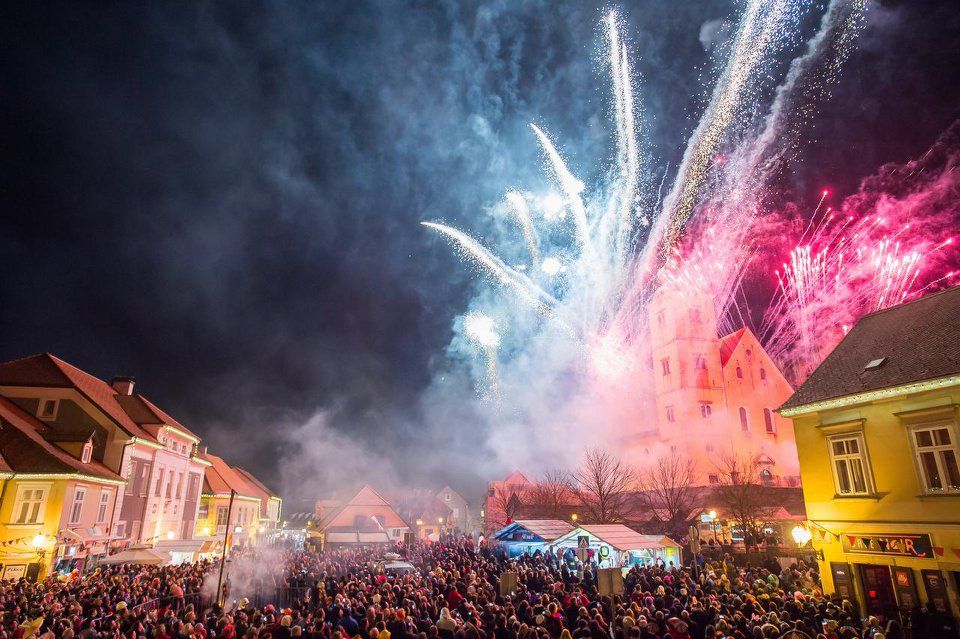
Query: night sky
[(222, 198)]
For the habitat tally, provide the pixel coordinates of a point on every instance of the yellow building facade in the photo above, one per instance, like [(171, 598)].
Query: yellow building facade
[(879, 447)]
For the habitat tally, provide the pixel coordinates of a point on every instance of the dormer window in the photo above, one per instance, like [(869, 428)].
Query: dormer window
[(48, 409), (87, 453)]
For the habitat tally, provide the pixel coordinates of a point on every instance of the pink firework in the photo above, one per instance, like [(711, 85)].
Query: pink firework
[(841, 268)]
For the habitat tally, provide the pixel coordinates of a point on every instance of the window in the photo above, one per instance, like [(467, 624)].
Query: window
[(120, 529), (447, 496), (849, 465), (87, 453), (700, 363), (713, 479), (47, 409), (221, 515), (203, 512), (766, 477), (695, 316), (179, 485), (705, 410), (661, 319), (744, 424), (739, 373), (936, 451), (30, 503), (671, 417), (763, 373), (768, 421), (709, 448), (159, 482), (76, 510), (102, 510), (665, 365)]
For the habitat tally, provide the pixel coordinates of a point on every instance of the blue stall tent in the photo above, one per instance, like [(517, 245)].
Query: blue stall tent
[(527, 536), (616, 545)]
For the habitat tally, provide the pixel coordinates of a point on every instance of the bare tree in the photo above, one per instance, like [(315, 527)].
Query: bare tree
[(503, 506), (602, 486), (667, 489), (743, 495), (552, 496)]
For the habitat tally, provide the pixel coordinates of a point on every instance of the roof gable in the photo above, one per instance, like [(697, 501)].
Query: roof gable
[(46, 370), (23, 447)]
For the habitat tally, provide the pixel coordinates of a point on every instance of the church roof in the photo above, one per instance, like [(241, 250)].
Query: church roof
[(728, 344)]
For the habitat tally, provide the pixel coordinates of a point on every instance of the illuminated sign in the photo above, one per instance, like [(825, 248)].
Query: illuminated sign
[(918, 545)]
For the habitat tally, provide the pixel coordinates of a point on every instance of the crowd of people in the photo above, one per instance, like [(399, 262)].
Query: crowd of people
[(451, 591)]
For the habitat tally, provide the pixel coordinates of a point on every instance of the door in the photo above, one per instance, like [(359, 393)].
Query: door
[(878, 591)]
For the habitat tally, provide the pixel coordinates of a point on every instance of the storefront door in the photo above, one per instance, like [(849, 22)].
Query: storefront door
[(878, 591)]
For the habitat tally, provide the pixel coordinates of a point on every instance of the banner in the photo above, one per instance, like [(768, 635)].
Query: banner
[(918, 545)]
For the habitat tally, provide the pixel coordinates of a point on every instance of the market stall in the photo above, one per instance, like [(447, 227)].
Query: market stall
[(527, 536), (613, 545)]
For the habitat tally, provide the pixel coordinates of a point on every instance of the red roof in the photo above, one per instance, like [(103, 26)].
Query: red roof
[(135, 414), (264, 493), (46, 370), (220, 477), (728, 344), (24, 449)]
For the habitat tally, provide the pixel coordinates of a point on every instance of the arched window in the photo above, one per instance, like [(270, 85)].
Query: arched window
[(763, 373), (766, 477), (739, 373), (743, 419), (768, 420)]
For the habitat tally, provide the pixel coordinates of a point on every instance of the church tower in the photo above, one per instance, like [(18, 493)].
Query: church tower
[(687, 371)]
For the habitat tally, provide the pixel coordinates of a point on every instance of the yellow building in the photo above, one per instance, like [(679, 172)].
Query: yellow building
[(876, 429), (57, 503), (217, 520)]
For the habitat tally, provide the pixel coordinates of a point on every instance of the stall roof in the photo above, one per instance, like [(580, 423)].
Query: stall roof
[(546, 529), (623, 538)]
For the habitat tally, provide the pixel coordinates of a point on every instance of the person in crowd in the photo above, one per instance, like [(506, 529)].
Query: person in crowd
[(452, 593)]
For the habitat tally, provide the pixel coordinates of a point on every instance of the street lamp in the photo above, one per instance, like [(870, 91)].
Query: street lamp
[(238, 529), (801, 535), (713, 524), (38, 542), (573, 517)]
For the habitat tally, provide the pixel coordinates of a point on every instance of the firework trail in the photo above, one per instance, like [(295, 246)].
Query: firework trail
[(592, 288)]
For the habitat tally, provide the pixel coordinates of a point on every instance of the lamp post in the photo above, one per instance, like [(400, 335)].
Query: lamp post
[(574, 518), (801, 535), (39, 543)]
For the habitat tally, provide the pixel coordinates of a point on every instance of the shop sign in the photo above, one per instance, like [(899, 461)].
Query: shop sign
[(918, 545), (583, 541), (15, 571)]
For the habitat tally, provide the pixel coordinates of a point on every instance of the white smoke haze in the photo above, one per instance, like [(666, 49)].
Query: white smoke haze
[(573, 369)]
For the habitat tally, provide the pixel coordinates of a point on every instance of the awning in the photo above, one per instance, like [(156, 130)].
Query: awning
[(179, 545), (373, 538), (138, 556), (211, 545), (342, 538)]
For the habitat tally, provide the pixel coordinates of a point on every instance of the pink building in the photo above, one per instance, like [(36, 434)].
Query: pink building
[(715, 394)]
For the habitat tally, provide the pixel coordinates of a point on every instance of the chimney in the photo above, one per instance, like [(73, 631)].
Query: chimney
[(122, 384)]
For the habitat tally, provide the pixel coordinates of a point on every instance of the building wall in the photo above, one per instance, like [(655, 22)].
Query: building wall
[(460, 515), (245, 514), (898, 503), (54, 519)]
